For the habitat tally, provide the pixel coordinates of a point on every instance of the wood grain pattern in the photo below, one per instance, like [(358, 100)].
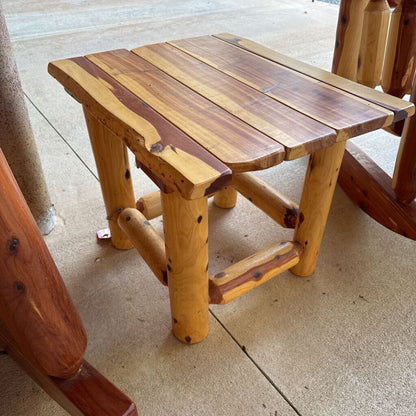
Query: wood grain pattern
[(404, 177), (186, 238), (299, 134), (400, 66), (226, 198), (265, 197), (370, 188), (113, 169), (400, 108), (160, 146), (253, 271), (233, 142), (87, 393), (347, 114), (320, 181), (34, 303), (146, 240), (347, 43), (373, 42), (150, 205)]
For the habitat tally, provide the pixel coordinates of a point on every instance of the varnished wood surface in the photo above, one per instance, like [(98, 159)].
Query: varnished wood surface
[(349, 115), (162, 147), (262, 107), (404, 177), (347, 42), (315, 203), (253, 271), (230, 140), (146, 240), (370, 188), (400, 66), (376, 18), (113, 168), (87, 393), (34, 303), (269, 200), (150, 205), (298, 133), (185, 225), (400, 108)]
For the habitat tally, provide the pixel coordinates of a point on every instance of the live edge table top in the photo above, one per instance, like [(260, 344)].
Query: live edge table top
[(194, 110)]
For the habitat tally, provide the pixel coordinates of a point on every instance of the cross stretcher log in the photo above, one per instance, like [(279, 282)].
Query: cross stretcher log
[(253, 271), (273, 203), (146, 240)]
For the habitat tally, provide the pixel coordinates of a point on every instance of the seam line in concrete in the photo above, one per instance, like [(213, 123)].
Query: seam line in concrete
[(242, 347), (61, 136)]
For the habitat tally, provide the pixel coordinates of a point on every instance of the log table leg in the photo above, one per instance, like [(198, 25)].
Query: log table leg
[(115, 176), (320, 181), (186, 238)]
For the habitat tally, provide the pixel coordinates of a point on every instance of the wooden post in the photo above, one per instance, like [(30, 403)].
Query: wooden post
[(34, 303), (226, 197), (348, 38), (399, 65), (115, 177), (17, 140), (147, 241), (404, 177), (373, 42), (186, 239), (320, 181)]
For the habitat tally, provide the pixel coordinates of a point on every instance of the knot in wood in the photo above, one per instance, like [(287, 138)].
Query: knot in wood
[(157, 147), (13, 245)]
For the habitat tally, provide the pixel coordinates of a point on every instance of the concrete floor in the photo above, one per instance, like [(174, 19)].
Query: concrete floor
[(341, 342)]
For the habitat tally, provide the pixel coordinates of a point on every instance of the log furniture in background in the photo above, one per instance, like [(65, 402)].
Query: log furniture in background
[(39, 326), (360, 54), (200, 115)]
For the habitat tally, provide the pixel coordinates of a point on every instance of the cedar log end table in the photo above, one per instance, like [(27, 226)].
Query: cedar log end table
[(200, 115)]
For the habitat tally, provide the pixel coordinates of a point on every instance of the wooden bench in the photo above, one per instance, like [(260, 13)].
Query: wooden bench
[(200, 115)]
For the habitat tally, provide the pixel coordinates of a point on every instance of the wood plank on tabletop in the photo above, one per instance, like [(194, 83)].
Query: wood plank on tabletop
[(164, 149), (347, 114), (299, 134), (233, 142), (400, 108)]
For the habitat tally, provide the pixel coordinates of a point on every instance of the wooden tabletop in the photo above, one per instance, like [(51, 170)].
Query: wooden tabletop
[(222, 102)]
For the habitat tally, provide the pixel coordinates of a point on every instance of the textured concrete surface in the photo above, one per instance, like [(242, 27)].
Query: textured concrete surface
[(340, 342), (16, 137)]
